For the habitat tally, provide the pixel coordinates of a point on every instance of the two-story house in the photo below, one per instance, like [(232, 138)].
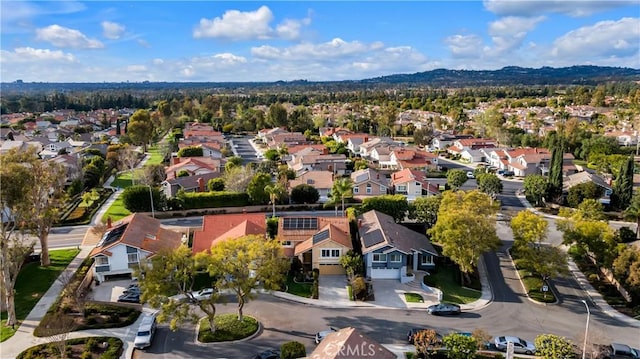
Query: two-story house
[(320, 180), (412, 184), (369, 183), (129, 241)]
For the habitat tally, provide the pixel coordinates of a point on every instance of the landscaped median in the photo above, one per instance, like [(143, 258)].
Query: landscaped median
[(32, 283), (89, 347), (228, 328)]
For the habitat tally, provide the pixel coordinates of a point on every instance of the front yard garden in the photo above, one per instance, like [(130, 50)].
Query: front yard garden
[(33, 281), (80, 348), (301, 289), (413, 298)]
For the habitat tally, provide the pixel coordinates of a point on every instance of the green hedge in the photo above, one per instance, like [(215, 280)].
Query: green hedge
[(196, 200)]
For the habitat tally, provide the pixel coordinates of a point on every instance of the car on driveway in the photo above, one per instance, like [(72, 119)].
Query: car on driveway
[(413, 331), (520, 345), (444, 309), (322, 334), (129, 298), (268, 354), (470, 175)]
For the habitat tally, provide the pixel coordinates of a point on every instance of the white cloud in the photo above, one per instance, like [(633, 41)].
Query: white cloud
[(335, 48), (249, 25), (509, 32), (576, 8), (29, 54), (64, 37), (137, 68), (601, 40), (464, 46), (229, 59), (112, 30), (158, 61)]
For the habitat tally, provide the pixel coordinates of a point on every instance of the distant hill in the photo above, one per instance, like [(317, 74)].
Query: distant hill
[(507, 76), (513, 75)]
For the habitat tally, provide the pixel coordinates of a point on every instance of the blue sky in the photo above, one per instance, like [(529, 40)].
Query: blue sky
[(220, 41)]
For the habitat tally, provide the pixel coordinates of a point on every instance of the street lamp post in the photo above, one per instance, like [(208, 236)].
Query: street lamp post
[(586, 330), (153, 213)]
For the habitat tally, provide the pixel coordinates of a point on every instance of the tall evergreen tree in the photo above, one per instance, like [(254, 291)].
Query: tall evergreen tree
[(118, 127), (555, 170), (623, 186)]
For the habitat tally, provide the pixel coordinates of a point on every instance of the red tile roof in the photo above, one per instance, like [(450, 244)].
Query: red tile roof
[(216, 228)]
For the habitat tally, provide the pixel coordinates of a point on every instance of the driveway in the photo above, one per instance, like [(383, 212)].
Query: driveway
[(108, 291)]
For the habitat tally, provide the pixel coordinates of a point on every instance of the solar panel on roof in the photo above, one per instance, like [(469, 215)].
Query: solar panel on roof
[(112, 236), (373, 238), (320, 236), (299, 223)]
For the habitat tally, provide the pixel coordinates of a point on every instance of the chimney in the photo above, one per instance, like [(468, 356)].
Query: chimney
[(176, 160), (109, 222), (200, 184)]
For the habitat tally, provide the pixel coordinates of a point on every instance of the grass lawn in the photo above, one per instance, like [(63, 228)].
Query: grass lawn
[(413, 298), (299, 289), (446, 279), (228, 328), (533, 286), (33, 281), (155, 156), (116, 211)]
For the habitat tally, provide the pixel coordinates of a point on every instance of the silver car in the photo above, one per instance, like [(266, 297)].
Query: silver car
[(146, 331), (520, 346)]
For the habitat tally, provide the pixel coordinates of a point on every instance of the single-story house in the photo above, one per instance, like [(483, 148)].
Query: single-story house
[(220, 227)]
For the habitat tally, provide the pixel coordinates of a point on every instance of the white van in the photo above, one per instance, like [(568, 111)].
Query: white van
[(146, 330)]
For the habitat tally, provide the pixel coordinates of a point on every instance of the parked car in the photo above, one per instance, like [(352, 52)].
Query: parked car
[(203, 294), (268, 354), (129, 298), (520, 346), (322, 334), (413, 331), (444, 309), (470, 175), (132, 290), (621, 351), (146, 331)]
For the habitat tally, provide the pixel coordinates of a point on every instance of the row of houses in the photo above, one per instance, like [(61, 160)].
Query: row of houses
[(390, 250)]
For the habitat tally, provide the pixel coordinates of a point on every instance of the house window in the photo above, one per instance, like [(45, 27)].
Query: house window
[(132, 258), (286, 244), (368, 188), (426, 259), (379, 257), (356, 189), (402, 188), (383, 189), (330, 253), (102, 261), (395, 257)]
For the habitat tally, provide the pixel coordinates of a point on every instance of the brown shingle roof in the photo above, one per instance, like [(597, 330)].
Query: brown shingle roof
[(374, 223), (216, 228), (143, 232), (336, 235)]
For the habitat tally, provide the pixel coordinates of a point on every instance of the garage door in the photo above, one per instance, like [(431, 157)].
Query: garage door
[(384, 273), (331, 269)]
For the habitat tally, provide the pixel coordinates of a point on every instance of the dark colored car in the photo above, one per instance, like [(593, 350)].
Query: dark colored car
[(268, 354), (129, 298), (444, 309), (413, 331)]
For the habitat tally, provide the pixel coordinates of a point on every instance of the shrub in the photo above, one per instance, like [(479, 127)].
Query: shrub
[(86, 355), (292, 350), (359, 287), (195, 200)]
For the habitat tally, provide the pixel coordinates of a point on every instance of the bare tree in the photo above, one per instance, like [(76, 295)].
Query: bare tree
[(129, 159), (58, 330)]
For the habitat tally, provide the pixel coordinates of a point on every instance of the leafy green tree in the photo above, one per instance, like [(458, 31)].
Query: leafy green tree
[(589, 236), (456, 178), (623, 186), (191, 151), (215, 184), (140, 128), (395, 205), (490, 184), (244, 263), (583, 191), (633, 211), (554, 190), (137, 198), (466, 228), (277, 115), (535, 187), (304, 193), (272, 154), (551, 346), (528, 228), (460, 346), (175, 271), (590, 209), (352, 263), (292, 350), (425, 210), (341, 190), (234, 161), (257, 189), (626, 267)]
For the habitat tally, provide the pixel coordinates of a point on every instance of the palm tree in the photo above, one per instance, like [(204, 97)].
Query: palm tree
[(342, 188), (274, 191), (633, 211)]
